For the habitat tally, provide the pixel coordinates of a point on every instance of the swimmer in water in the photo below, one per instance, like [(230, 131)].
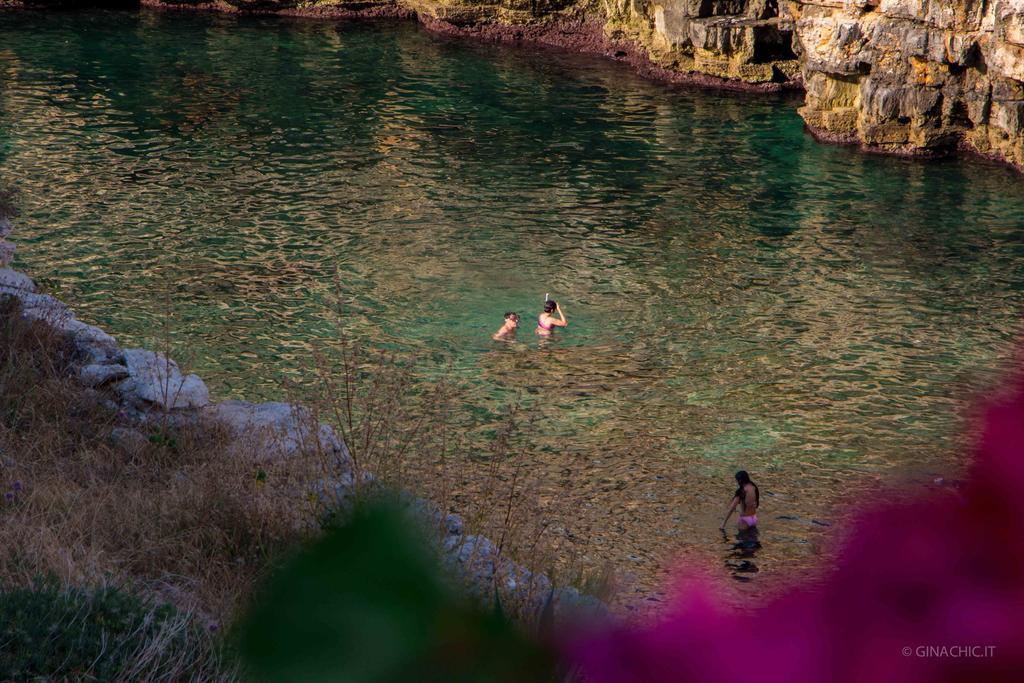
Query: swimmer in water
[(546, 323), (508, 330), (748, 499)]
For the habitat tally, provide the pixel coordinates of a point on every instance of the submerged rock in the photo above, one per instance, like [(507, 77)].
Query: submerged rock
[(155, 379)]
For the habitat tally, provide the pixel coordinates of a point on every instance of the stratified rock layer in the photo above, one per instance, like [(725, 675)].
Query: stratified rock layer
[(914, 76), (744, 40)]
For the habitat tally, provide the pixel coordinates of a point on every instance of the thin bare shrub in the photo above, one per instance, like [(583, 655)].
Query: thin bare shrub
[(408, 427)]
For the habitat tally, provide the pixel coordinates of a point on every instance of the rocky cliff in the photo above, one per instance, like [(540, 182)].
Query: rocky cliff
[(730, 43), (914, 76)]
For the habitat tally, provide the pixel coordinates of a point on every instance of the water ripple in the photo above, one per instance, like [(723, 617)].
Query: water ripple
[(739, 295)]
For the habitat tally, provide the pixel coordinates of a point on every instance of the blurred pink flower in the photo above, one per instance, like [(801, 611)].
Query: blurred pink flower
[(939, 570)]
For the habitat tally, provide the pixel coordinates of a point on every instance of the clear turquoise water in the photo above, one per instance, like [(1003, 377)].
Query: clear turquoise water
[(739, 294)]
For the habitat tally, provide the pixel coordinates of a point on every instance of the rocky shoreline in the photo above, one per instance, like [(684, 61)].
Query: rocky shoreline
[(587, 36), (148, 390)]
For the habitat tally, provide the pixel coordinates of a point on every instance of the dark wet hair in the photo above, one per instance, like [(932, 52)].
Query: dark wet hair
[(512, 315), (742, 478), (550, 306)]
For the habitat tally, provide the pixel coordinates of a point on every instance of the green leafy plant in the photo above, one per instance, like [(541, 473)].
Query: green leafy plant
[(162, 437), (369, 602)]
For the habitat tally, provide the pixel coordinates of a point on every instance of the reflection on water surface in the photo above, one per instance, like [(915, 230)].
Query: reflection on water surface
[(739, 296)]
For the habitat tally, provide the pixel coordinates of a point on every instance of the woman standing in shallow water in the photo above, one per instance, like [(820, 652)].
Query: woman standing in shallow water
[(546, 323), (749, 497)]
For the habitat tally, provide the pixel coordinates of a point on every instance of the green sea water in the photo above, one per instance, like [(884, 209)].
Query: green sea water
[(739, 295)]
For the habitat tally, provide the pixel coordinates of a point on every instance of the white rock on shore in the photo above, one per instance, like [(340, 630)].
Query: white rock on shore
[(96, 375), (94, 343), (277, 429), (155, 379), (14, 282), (43, 307)]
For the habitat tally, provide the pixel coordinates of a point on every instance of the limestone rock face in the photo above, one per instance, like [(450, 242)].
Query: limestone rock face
[(914, 76), (96, 375), (155, 379), (13, 282), (275, 429), (473, 12), (744, 40), (740, 40)]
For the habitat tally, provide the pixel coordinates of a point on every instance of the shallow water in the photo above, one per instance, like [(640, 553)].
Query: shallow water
[(739, 295)]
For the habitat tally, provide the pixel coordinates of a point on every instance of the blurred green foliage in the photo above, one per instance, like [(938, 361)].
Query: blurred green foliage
[(369, 602)]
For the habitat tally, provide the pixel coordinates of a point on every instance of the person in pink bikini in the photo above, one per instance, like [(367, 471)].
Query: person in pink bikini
[(748, 498), (546, 323)]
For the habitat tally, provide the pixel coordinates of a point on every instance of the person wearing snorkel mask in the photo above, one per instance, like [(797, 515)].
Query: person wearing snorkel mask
[(547, 322)]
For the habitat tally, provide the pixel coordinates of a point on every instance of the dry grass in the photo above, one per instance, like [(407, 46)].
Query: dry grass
[(201, 661), (183, 516), (189, 516), (55, 632)]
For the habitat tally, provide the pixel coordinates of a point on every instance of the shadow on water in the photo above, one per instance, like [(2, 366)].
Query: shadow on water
[(739, 559)]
